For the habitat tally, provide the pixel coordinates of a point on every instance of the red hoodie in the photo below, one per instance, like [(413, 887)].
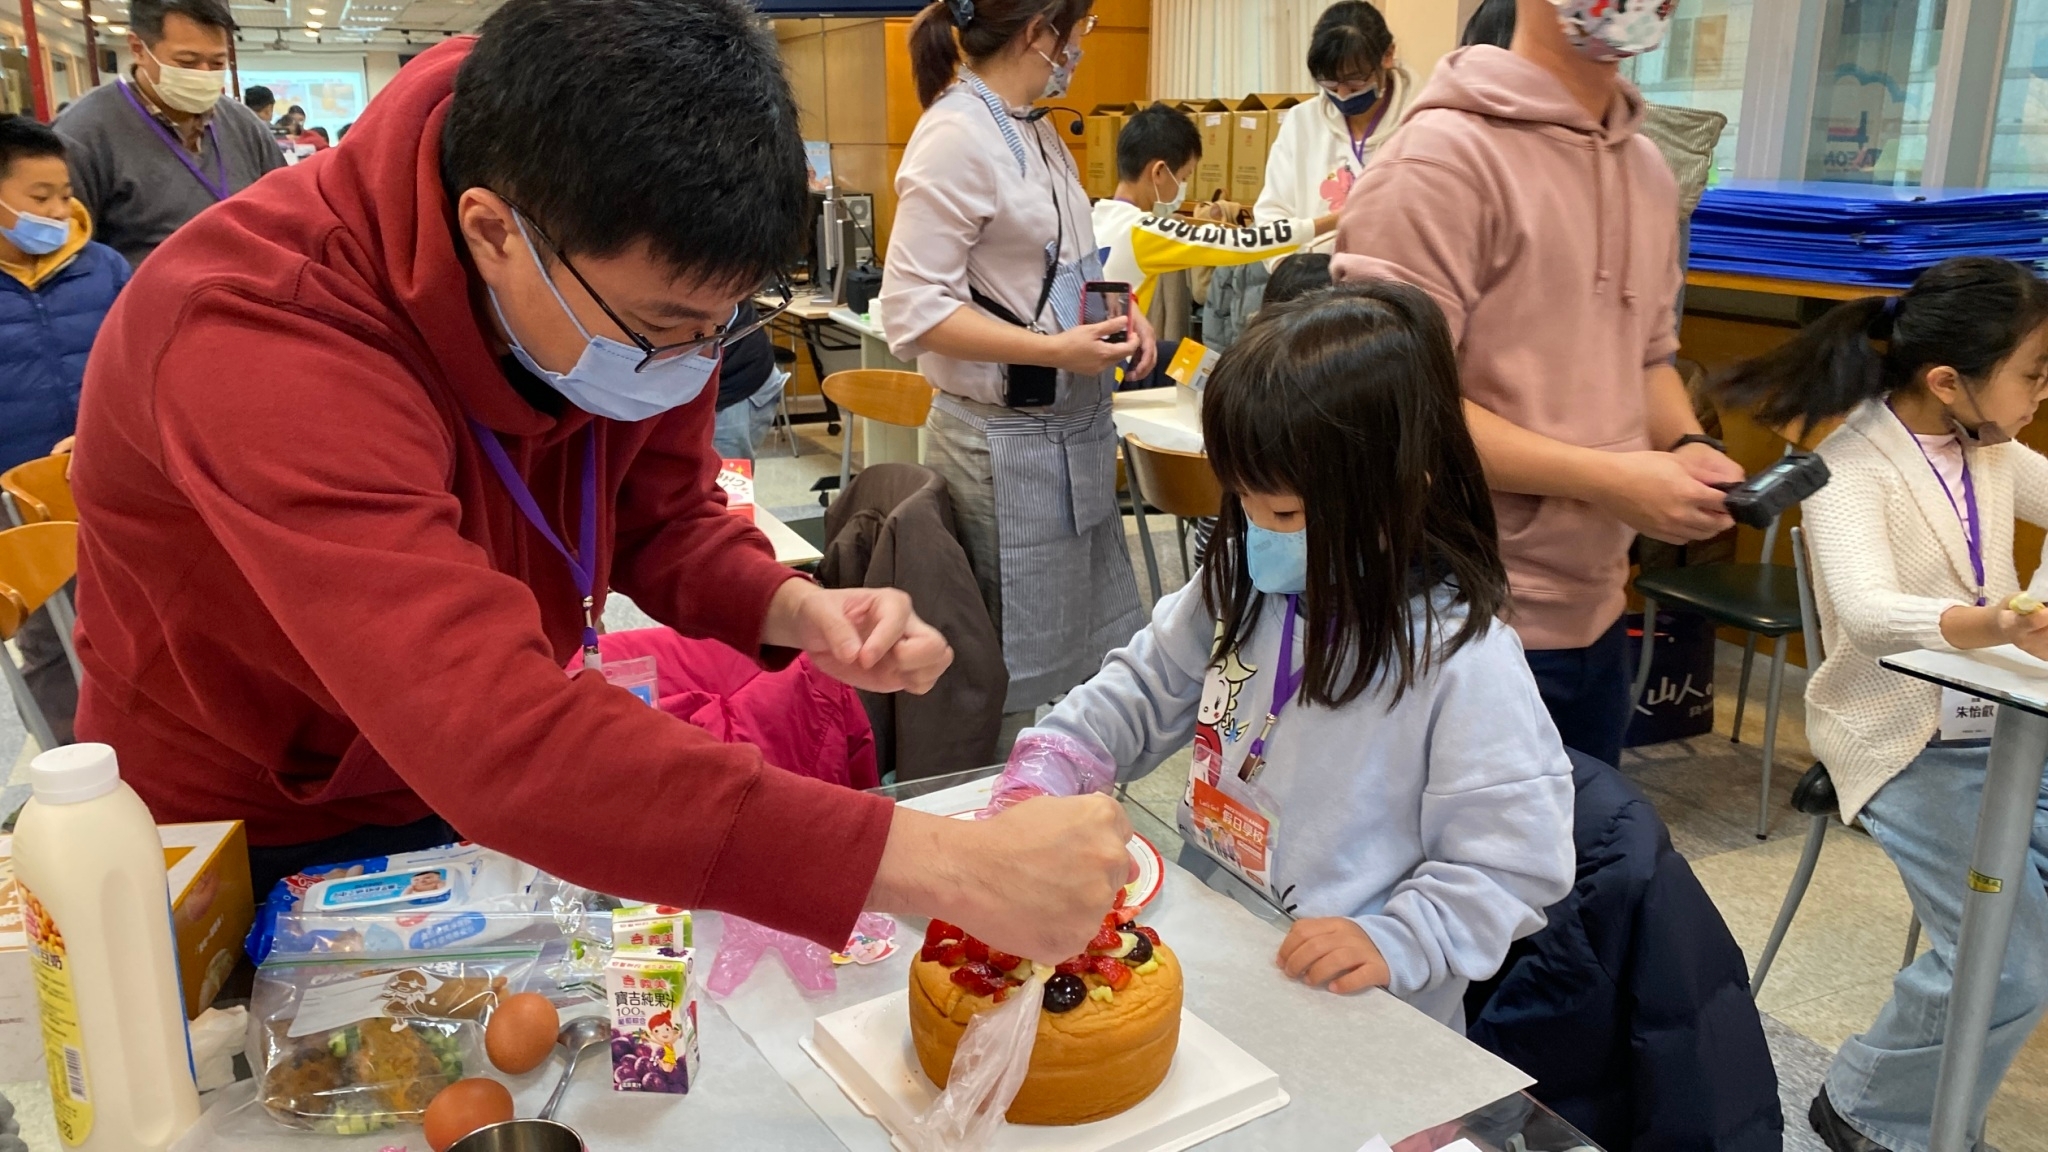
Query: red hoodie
[(307, 602)]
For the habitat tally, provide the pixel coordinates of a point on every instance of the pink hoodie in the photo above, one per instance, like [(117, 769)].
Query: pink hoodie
[(1550, 241)]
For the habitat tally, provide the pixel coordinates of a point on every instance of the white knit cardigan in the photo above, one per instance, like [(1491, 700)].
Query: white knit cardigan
[(1889, 557)]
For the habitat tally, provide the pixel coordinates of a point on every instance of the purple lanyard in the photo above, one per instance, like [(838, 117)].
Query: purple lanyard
[(219, 185), (1286, 682), (1358, 143), (584, 571), (1966, 514)]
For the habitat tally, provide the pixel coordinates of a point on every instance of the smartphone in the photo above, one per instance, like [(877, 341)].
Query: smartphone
[(1107, 300)]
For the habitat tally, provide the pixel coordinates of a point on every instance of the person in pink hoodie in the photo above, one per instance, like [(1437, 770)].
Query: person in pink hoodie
[(1519, 196)]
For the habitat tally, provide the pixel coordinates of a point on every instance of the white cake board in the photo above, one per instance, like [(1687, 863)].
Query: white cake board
[(1212, 1087)]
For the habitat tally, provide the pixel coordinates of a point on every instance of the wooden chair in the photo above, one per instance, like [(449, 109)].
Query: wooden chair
[(903, 399), (1180, 484), (38, 490), (36, 560)]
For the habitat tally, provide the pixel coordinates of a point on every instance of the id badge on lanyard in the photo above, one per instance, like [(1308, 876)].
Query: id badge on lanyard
[(1224, 813), (1963, 716)]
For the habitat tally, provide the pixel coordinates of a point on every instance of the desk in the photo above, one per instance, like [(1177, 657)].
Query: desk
[(1774, 286), (1998, 860), (791, 550), (811, 318), (880, 443), (1355, 1066), (1161, 417)]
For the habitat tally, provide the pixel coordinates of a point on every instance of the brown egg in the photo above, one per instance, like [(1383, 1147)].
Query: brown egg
[(521, 1033), (463, 1107)]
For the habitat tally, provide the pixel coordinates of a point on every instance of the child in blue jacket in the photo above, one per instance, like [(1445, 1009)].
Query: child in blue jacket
[(56, 286)]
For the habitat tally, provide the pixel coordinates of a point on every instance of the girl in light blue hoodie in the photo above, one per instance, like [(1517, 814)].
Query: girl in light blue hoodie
[(1370, 752)]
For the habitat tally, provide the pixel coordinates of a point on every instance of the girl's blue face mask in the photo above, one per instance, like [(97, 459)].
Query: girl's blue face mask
[(1356, 104), (1277, 561)]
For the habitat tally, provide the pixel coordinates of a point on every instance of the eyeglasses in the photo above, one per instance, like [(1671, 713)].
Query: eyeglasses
[(1086, 26), (697, 345)]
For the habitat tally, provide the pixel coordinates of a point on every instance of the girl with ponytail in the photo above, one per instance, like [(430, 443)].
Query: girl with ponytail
[(992, 245), (1912, 547)]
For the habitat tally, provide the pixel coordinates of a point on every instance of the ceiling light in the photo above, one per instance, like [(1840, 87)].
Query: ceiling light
[(317, 11), (98, 19), (312, 24), (70, 3), (312, 35), (117, 29)]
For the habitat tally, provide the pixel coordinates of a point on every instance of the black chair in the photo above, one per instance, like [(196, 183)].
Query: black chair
[(1814, 795), (1762, 600)]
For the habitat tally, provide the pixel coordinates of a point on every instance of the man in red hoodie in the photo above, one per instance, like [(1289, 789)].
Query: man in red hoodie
[(1519, 195), (362, 449)]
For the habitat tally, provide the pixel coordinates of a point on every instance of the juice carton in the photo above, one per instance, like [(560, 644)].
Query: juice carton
[(651, 928), (654, 1022), (737, 478)]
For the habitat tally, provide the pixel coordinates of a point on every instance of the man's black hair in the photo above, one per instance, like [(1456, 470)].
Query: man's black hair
[(1156, 133), (23, 138), (343, 133), (257, 97), (603, 156), (319, 131), (298, 110), (146, 17)]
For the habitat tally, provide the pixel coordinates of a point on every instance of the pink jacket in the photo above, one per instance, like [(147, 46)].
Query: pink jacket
[(800, 718), (1550, 240)]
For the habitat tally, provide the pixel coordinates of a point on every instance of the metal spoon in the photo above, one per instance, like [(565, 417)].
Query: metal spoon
[(576, 1037)]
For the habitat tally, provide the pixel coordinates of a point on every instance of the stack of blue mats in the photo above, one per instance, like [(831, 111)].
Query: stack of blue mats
[(1863, 234)]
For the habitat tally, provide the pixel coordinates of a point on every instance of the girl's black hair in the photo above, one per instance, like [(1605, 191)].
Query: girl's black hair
[(1968, 313), (1297, 276), (1493, 22), (1350, 42), (1348, 397)]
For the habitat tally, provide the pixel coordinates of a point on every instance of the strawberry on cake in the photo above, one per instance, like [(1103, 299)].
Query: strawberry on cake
[(1107, 1028)]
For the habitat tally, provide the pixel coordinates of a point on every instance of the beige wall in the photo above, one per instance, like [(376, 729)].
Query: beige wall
[(378, 69)]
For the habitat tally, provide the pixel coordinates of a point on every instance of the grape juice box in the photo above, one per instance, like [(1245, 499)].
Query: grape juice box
[(651, 928), (654, 1022)]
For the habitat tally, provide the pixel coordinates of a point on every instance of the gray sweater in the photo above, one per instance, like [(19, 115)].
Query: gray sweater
[(136, 188), (1441, 824)]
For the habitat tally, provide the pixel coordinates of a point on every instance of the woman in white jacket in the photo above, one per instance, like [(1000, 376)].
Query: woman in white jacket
[(1912, 547), (1323, 145)]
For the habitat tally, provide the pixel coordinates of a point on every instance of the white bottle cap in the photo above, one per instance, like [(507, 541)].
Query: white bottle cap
[(74, 774)]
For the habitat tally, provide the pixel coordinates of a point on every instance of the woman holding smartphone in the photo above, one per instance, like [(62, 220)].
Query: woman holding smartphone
[(991, 251)]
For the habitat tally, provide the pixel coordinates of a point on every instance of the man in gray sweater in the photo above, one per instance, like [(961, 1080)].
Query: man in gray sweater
[(151, 152)]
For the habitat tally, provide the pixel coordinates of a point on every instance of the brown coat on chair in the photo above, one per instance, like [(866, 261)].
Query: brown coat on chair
[(894, 528)]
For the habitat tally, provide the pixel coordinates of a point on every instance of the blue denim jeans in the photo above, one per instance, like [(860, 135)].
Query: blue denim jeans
[(1925, 819), (739, 429)]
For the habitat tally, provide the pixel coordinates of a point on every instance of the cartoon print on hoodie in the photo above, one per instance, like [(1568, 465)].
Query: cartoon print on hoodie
[(1216, 719)]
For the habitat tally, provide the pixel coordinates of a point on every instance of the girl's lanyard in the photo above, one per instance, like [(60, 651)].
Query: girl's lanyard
[(1359, 142), (583, 570), (219, 184), (1286, 682), (1966, 513)]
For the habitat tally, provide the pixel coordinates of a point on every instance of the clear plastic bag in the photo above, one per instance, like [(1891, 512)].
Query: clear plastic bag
[(1047, 763), (989, 1066), (352, 1045)]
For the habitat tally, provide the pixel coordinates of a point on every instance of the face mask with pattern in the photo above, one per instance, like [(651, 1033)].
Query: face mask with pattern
[(1611, 30)]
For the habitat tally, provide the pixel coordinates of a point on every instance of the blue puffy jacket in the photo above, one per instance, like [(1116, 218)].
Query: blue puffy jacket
[(45, 333), (1631, 1007)]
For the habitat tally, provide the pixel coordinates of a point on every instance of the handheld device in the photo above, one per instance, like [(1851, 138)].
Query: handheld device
[(1106, 300), (1763, 497)]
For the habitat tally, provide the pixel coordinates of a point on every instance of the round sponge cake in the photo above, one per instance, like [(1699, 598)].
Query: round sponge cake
[(1089, 1063)]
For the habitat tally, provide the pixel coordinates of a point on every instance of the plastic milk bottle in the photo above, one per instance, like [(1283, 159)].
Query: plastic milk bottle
[(97, 907)]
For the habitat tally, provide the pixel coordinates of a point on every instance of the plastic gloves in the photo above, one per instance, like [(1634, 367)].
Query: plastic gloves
[(1046, 763), (809, 964)]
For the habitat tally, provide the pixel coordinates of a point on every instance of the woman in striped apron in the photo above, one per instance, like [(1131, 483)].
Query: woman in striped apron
[(991, 246)]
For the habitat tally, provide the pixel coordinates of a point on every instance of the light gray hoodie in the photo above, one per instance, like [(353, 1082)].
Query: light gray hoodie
[(1442, 824)]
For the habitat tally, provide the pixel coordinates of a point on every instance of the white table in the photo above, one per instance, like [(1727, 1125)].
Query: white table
[(1161, 417), (1998, 860), (791, 549)]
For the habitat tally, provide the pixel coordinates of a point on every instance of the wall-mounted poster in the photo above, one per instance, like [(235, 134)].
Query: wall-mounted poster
[(331, 99)]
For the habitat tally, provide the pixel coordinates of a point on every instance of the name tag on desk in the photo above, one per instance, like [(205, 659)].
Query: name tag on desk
[(1965, 717)]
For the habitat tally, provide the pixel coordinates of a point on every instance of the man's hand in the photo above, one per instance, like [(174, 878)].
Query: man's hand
[(63, 448), (1708, 466), (866, 637), (1335, 953), (1662, 496), (1148, 347), (1033, 880)]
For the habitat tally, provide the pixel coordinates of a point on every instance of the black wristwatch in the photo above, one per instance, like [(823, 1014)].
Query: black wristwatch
[(1699, 438)]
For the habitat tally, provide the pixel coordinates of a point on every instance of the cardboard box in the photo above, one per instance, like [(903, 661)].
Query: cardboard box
[(1212, 175), (737, 478), (1253, 124), (211, 910), (1099, 130)]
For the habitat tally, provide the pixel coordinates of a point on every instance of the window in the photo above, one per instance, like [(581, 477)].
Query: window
[(1876, 89), (1701, 66), (2019, 136)]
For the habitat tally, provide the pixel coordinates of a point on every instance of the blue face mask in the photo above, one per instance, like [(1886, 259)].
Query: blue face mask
[(36, 235), (1356, 104), (604, 381), (1278, 561)]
